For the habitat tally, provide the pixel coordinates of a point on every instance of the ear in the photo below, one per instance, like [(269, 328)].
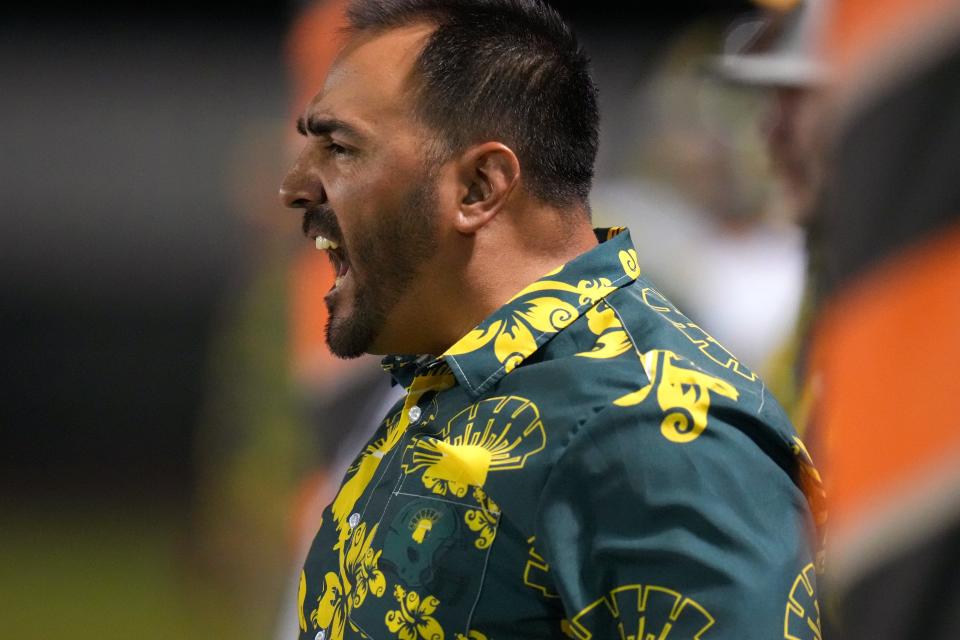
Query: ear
[(488, 174)]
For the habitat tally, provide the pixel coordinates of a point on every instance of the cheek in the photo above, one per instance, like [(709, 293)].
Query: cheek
[(355, 186)]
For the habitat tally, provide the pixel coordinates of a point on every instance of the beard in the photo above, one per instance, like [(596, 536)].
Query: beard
[(388, 256)]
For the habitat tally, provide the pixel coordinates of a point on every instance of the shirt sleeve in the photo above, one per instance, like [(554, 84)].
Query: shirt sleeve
[(650, 538)]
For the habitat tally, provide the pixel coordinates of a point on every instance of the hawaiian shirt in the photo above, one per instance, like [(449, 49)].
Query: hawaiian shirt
[(588, 463)]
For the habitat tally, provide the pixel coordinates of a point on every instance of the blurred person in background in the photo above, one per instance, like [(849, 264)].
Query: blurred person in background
[(108, 344), (886, 335), (697, 185), (576, 457), (777, 54)]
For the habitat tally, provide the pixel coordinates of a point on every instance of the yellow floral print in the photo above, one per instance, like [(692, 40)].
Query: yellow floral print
[(473, 635), (483, 520), (630, 263), (356, 485), (413, 620), (361, 564), (359, 576), (693, 332), (612, 339), (333, 606), (516, 337), (613, 232), (301, 598)]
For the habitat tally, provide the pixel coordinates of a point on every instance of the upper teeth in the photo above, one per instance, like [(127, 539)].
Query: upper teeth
[(324, 244)]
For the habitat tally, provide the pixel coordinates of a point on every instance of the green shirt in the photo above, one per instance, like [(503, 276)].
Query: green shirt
[(586, 462)]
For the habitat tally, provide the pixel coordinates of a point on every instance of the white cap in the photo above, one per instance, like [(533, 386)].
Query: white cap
[(778, 49)]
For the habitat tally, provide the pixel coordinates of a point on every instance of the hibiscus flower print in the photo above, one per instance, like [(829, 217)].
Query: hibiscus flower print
[(413, 621)]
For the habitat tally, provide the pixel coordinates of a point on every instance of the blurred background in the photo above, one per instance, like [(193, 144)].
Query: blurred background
[(170, 422)]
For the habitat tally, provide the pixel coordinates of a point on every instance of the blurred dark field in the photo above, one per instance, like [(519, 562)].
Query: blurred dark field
[(119, 236), (140, 151)]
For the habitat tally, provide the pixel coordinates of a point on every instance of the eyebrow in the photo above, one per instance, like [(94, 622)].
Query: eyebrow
[(320, 126)]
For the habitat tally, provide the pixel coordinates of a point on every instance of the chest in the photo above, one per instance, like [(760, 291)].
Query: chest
[(432, 532)]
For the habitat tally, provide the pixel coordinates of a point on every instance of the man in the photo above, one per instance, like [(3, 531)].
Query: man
[(779, 53), (573, 455)]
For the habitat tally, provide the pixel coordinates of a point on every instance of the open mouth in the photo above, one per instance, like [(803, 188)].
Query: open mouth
[(338, 258)]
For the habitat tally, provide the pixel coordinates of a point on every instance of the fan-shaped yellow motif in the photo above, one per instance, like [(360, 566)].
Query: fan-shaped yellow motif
[(706, 343), (454, 466), (683, 394), (536, 572), (495, 434), (802, 618), (641, 612)]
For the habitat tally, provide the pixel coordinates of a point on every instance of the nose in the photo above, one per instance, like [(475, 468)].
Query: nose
[(301, 189)]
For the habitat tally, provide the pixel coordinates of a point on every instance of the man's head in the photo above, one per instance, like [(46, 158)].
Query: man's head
[(780, 54), (437, 115), (506, 70)]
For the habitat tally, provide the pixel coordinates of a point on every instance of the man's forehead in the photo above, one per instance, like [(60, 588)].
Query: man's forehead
[(371, 73)]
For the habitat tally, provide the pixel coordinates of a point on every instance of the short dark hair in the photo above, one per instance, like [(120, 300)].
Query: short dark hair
[(508, 70)]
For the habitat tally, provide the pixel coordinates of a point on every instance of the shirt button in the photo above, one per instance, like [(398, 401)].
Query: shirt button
[(354, 520), (321, 635), (414, 414)]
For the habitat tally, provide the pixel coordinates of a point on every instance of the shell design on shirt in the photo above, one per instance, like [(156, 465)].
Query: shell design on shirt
[(495, 434), (641, 611)]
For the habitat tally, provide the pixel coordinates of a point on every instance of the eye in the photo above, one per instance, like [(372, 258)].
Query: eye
[(337, 150)]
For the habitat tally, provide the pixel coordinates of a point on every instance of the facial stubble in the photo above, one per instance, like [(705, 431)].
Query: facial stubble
[(390, 255)]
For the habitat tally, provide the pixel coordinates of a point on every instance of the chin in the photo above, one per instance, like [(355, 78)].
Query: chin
[(342, 342), (353, 335)]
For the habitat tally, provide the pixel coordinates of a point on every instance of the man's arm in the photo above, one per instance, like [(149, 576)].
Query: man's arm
[(651, 538)]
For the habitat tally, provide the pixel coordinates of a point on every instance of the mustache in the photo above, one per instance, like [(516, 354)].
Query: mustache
[(322, 221)]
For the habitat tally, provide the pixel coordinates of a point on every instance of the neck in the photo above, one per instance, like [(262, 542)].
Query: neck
[(505, 256)]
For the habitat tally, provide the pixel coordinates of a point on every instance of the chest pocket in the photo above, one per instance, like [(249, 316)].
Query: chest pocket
[(432, 553), (439, 523)]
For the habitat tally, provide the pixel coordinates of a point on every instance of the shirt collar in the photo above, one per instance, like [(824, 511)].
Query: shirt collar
[(531, 318), (404, 368)]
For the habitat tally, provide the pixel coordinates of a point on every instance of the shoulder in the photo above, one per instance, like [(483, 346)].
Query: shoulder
[(679, 355), (676, 413)]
